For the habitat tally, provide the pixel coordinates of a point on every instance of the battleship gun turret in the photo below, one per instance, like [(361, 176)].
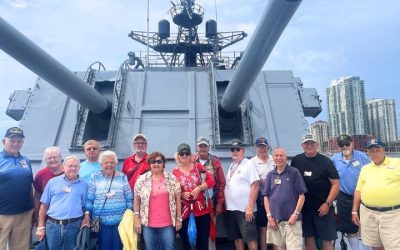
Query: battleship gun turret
[(185, 88)]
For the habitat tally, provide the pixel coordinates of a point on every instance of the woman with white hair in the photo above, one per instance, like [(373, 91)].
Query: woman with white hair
[(108, 197)]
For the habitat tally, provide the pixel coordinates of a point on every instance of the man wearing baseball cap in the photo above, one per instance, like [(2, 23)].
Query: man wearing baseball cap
[(378, 192), (213, 165), (136, 164), (264, 164), (242, 185), (322, 182), (16, 201), (348, 163)]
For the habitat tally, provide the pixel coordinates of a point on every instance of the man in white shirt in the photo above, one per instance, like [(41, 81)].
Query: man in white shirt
[(242, 184), (264, 164)]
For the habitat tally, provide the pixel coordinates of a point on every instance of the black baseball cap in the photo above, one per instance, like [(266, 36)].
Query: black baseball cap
[(14, 132)]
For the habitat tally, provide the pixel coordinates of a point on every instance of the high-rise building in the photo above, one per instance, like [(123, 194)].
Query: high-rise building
[(320, 130), (346, 106), (382, 120)]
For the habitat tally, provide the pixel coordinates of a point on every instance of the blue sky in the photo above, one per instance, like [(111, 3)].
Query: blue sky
[(325, 39)]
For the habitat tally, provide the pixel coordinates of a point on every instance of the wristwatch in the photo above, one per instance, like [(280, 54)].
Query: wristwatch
[(329, 204)]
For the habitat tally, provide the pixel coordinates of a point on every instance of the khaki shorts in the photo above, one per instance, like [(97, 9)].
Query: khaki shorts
[(286, 235), (16, 230), (380, 229)]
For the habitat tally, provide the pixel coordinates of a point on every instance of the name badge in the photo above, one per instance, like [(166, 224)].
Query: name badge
[(110, 194), (307, 173), (23, 163), (356, 163), (278, 181), (390, 167), (67, 189)]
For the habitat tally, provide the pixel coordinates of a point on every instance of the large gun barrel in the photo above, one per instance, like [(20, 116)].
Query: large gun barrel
[(33, 57), (274, 20)]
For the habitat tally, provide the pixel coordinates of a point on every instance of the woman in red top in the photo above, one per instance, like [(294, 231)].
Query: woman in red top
[(194, 180)]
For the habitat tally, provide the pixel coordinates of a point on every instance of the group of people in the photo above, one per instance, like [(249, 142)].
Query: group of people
[(263, 199)]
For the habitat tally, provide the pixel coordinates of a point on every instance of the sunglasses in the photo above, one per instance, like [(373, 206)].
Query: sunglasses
[(184, 153), (153, 161), (344, 144), (235, 149)]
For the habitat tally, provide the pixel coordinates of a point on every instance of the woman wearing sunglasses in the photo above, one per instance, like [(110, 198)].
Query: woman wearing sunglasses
[(157, 205), (194, 180)]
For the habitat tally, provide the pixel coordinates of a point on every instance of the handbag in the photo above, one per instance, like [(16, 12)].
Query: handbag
[(95, 225), (96, 222)]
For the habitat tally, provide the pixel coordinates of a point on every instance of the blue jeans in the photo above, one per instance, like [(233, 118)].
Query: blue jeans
[(109, 238), (159, 238), (62, 236)]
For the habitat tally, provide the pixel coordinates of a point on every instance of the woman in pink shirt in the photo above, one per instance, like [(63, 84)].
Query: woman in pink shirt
[(194, 180), (157, 205)]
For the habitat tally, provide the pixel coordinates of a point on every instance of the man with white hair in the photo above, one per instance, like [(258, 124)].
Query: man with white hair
[(52, 157), (62, 207)]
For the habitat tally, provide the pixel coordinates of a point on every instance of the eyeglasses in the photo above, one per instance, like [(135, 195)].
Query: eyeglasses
[(184, 153), (91, 149), (140, 143), (203, 146), (235, 149), (153, 161), (342, 144)]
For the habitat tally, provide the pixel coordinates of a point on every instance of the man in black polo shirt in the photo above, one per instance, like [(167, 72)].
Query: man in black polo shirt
[(322, 182)]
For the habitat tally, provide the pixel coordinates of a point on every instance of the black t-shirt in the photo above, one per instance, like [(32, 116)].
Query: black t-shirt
[(316, 173)]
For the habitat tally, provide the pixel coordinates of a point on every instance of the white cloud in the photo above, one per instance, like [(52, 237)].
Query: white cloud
[(19, 4)]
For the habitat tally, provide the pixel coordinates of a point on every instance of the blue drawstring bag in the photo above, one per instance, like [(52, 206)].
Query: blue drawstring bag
[(192, 231)]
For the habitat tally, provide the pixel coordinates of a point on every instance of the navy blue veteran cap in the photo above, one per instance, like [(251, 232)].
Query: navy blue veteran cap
[(237, 144), (14, 131), (375, 143), (261, 141), (183, 147)]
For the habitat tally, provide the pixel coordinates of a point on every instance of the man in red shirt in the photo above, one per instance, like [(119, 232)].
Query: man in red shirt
[(52, 156), (136, 164)]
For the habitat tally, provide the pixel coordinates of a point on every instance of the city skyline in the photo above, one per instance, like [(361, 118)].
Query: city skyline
[(346, 106)]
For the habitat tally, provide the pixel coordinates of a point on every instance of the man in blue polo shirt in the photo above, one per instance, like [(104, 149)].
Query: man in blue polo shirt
[(284, 198), (62, 203), (16, 202), (348, 163)]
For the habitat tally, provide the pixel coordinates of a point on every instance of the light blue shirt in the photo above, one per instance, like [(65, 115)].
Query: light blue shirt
[(66, 200), (87, 169), (349, 171)]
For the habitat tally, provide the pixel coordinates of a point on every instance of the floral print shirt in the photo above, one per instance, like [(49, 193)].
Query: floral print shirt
[(143, 190), (190, 181)]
